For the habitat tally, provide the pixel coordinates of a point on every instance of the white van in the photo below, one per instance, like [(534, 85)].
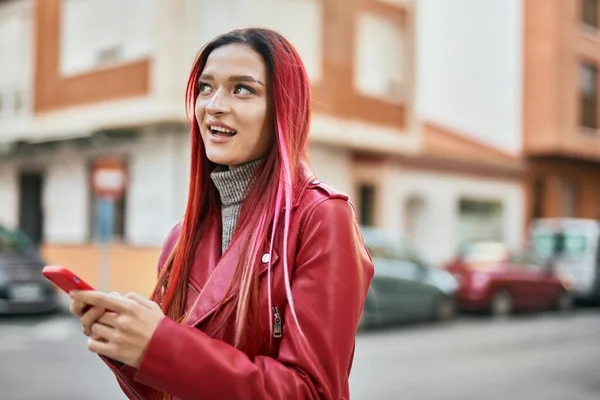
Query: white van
[(572, 246)]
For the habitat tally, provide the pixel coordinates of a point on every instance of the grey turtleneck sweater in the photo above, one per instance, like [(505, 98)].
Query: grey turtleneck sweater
[(233, 185)]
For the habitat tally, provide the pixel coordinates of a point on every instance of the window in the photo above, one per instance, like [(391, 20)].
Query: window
[(366, 198), (417, 223), (569, 199), (589, 96), (384, 246), (379, 56), (526, 260), (480, 220), (570, 244), (598, 207), (589, 13), (15, 55), (539, 188), (484, 252)]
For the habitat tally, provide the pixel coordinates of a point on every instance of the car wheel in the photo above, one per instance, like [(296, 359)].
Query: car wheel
[(502, 304), (445, 309), (564, 301)]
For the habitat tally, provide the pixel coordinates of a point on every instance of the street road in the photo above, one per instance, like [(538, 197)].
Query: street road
[(544, 356)]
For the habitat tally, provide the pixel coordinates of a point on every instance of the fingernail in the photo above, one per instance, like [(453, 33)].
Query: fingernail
[(72, 293)]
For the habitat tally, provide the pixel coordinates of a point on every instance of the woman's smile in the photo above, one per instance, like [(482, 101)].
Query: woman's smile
[(220, 132)]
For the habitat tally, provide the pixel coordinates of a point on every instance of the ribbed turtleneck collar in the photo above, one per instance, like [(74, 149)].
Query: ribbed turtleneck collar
[(232, 184)]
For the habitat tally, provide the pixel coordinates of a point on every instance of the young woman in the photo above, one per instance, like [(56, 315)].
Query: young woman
[(262, 284)]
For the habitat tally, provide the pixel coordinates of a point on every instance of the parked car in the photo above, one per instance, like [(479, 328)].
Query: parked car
[(404, 288), (573, 247), (23, 289), (496, 280)]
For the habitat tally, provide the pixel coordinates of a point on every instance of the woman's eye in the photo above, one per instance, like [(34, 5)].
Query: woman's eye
[(203, 87), (243, 90)]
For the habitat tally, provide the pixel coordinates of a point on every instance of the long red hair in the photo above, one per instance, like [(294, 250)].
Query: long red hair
[(270, 196)]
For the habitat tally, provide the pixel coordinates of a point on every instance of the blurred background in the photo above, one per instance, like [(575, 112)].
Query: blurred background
[(466, 132)]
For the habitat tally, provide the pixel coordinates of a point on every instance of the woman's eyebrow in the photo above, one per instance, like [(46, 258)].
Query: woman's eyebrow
[(244, 78), (234, 78)]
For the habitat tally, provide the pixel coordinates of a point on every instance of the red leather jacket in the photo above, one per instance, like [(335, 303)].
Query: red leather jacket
[(331, 273)]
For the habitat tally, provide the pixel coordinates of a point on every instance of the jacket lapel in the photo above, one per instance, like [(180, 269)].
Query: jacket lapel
[(206, 259), (221, 278)]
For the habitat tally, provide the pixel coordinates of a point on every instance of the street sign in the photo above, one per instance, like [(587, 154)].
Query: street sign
[(109, 178)]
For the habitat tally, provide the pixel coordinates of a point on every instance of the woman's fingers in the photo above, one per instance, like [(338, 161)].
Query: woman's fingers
[(89, 318)]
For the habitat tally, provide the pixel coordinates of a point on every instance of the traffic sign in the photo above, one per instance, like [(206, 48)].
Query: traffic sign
[(109, 178)]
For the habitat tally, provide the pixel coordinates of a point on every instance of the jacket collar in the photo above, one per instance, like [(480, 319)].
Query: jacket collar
[(306, 178)]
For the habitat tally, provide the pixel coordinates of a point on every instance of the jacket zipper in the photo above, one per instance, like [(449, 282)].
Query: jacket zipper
[(277, 328)]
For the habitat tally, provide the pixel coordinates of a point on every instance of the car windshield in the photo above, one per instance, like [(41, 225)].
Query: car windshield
[(392, 253), (567, 245), (14, 241), (387, 250), (484, 253), (385, 266)]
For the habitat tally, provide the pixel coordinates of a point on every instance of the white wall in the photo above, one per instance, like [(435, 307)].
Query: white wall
[(170, 65), (439, 223), (332, 165), (156, 196), (153, 207), (15, 68), (180, 173), (300, 21), (8, 196), (98, 33), (66, 201), (469, 68)]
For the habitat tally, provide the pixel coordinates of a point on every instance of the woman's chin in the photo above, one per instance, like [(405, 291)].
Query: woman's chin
[(221, 159), (226, 158)]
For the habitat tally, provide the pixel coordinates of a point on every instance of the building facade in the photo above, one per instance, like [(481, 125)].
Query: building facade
[(465, 182), (561, 108), (417, 115)]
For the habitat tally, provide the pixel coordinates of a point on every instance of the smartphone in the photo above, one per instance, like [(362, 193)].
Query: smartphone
[(65, 279)]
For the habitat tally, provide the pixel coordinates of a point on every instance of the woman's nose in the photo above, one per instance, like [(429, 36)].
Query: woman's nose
[(218, 104)]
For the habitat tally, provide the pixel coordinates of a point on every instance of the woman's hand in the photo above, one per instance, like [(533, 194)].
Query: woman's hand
[(124, 332), (88, 315)]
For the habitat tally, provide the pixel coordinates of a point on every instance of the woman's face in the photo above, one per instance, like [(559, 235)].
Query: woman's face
[(233, 108)]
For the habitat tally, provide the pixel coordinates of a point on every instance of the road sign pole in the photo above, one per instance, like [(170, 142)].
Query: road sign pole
[(109, 180), (105, 218)]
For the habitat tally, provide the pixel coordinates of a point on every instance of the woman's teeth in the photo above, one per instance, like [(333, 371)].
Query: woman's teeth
[(215, 130)]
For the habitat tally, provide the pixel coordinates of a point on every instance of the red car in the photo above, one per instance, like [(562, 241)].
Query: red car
[(494, 279)]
